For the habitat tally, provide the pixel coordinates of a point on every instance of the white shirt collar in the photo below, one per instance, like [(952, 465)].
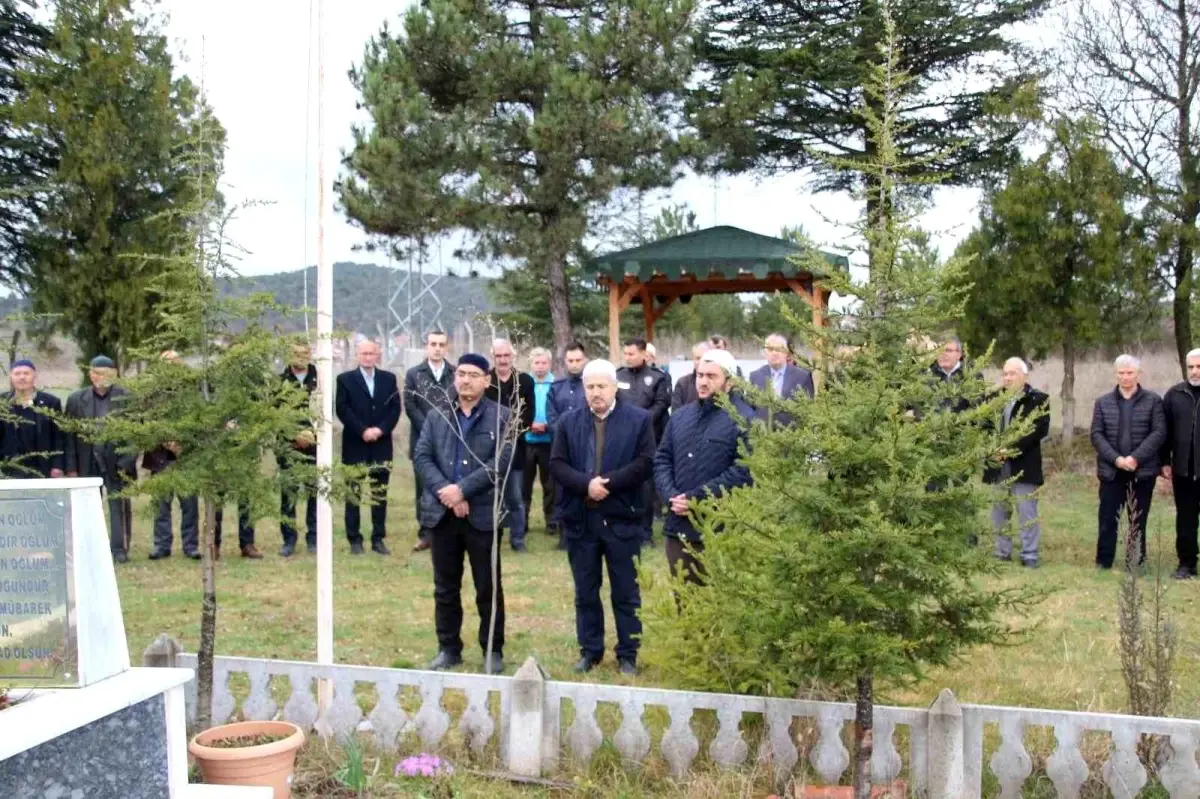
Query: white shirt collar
[(607, 413), (437, 370), (369, 375)]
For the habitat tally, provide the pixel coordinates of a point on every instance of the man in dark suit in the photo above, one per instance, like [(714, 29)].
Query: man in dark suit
[(641, 385), (428, 388), (32, 443), (513, 390), (685, 387), (1021, 472), (86, 459), (780, 377), (156, 461), (459, 459), (368, 405), (302, 373), (601, 456)]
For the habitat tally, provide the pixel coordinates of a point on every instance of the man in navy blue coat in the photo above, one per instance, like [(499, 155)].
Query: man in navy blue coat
[(566, 394), (698, 457), (600, 458), (368, 405)]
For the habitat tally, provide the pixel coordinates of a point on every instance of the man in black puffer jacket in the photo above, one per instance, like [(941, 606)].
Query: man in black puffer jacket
[(1128, 430), (1180, 457), (698, 457)]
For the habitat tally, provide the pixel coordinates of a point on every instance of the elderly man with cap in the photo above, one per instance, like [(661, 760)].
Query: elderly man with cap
[(84, 458), (698, 457), (32, 444), (460, 459), (601, 457)]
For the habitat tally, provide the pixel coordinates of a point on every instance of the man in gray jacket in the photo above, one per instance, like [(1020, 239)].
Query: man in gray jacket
[(461, 460), (1128, 430)]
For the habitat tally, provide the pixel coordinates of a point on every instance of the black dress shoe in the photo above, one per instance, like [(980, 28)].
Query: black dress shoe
[(627, 667), (312, 548), (194, 555), (585, 665), (445, 660), (159, 554), (356, 548), (519, 548), (380, 548), (120, 557), (493, 664), (287, 550)]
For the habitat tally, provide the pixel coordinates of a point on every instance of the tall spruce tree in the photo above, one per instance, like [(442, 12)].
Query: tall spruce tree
[(517, 121), (105, 98), (848, 561), (25, 160), (1058, 262), (784, 82)]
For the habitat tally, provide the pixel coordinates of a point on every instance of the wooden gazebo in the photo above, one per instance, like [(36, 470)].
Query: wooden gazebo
[(716, 260)]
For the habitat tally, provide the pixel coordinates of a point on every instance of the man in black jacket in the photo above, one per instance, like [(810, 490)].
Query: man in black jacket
[(1180, 458), (698, 457), (566, 393), (600, 457), (32, 442), (368, 404), (1021, 472), (1128, 430), (641, 385), (428, 388), (684, 391), (302, 373), (513, 390)]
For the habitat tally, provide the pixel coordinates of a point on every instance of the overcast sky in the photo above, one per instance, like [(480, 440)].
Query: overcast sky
[(256, 74)]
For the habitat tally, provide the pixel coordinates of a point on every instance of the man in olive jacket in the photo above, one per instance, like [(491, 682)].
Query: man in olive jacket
[(1023, 468), (1128, 430), (1180, 457)]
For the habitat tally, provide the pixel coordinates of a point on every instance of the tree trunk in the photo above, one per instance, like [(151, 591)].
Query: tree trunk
[(1184, 256), (1068, 383), (560, 304), (208, 617), (864, 736)]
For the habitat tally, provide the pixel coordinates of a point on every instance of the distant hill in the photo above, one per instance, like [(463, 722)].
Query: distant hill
[(360, 296)]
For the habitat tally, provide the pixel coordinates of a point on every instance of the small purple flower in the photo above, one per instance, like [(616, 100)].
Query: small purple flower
[(424, 765)]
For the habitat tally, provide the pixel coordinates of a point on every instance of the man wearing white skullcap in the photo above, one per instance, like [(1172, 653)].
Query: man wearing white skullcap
[(698, 457), (600, 458)]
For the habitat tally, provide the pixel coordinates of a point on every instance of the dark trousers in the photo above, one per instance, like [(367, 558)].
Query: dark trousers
[(423, 532), (537, 465), (591, 547), (245, 528), (287, 509), (378, 480), (453, 538), (189, 531), (651, 500), (1113, 498), (1187, 517), (680, 558)]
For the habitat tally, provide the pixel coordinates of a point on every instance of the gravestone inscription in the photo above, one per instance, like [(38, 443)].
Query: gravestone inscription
[(38, 644)]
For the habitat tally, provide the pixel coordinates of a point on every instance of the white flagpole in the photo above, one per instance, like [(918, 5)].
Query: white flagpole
[(325, 381)]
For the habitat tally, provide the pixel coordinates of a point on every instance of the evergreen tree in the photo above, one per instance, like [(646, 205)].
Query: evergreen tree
[(784, 83), (106, 100), (517, 121), (849, 560), (25, 160), (1058, 262)]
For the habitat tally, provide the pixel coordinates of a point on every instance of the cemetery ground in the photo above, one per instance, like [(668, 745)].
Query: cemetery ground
[(384, 617)]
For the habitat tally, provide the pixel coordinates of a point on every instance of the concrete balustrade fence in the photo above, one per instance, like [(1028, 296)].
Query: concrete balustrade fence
[(523, 718)]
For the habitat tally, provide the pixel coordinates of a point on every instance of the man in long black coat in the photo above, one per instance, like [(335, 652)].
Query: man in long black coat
[(641, 385), (513, 390), (302, 373), (1180, 458), (32, 443), (368, 405), (428, 388)]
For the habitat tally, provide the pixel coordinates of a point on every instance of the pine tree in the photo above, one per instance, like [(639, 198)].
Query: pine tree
[(25, 160), (105, 98), (517, 121), (785, 81), (849, 560), (1058, 262)]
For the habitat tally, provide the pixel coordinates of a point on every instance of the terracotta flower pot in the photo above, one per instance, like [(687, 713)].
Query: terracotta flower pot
[(898, 789), (271, 764)]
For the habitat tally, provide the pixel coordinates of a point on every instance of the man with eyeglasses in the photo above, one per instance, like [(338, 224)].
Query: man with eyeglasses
[(459, 459), (781, 379)]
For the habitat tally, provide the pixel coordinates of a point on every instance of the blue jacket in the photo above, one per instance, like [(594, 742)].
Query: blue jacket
[(358, 409), (627, 463), (566, 395), (698, 456), (433, 460)]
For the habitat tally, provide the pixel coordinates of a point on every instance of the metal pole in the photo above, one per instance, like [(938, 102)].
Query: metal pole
[(325, 381)]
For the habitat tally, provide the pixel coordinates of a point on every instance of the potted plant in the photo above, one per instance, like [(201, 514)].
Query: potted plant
[(897, 789), (249, 753)]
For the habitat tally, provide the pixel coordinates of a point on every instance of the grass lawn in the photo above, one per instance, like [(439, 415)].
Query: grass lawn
[(384, 612)]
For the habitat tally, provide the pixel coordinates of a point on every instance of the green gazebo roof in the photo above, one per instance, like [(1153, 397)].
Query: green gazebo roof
[(727, 251)]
